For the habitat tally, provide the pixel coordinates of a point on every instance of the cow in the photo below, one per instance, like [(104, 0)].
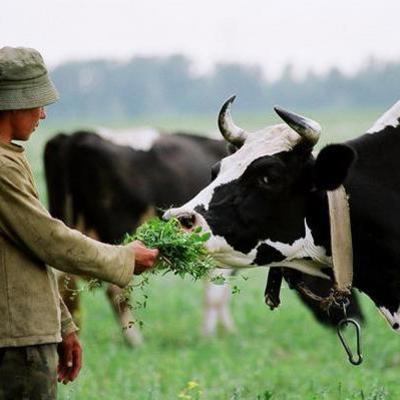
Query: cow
[(267, 204), (106, 183)]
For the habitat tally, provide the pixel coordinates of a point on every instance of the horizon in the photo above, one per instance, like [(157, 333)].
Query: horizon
[(296, 74)]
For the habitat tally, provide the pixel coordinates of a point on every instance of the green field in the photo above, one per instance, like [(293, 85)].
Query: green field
[(283, 354)]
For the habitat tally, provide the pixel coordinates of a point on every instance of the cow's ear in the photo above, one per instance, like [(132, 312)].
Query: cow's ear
[(332, 166)]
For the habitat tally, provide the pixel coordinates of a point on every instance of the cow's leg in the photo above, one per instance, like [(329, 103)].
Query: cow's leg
[(68, 288), (209, 319), (224, 314), (130, 331), (216, 306), (273, 288)]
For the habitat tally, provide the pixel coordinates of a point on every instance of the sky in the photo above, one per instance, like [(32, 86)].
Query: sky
[(310, 34)]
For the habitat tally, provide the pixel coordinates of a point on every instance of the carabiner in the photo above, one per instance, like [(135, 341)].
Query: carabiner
[(345, 322)]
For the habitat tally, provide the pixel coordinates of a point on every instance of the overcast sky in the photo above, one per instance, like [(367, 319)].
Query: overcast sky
[(309, 33)]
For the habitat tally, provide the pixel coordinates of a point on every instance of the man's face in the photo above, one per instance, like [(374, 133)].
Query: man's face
[(24, 122)]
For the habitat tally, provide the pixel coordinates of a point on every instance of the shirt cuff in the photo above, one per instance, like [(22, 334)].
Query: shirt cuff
[(128, 265), (68, 326)]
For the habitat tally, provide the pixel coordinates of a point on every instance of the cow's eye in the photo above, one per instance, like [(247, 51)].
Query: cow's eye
[(215, 170), (270, 181), (264, 180)]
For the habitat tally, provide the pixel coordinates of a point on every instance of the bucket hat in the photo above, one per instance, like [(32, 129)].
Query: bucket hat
[(24, 80)]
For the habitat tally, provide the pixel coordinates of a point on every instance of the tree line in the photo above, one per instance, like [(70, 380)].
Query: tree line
[(166, 85)]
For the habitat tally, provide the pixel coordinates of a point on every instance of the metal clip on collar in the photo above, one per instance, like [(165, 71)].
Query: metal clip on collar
[(343, 323)]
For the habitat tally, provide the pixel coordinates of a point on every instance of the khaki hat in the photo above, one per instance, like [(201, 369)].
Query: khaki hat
[(24, 80)]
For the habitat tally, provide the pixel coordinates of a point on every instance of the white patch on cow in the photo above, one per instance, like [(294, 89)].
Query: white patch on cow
[(390, 118), (392, 318), (302, 248), (138, 138), (309, 267), (296, 255), (267, 142), (303, 254), (227, 255)]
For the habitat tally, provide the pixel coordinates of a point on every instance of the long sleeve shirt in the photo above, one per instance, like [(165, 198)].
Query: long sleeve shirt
[(30, 242)]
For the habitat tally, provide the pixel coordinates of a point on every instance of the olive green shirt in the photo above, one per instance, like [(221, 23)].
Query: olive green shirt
[(30, 241)]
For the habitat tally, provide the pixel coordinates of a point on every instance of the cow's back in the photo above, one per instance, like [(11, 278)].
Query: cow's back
[(112, 186), (181, 165)]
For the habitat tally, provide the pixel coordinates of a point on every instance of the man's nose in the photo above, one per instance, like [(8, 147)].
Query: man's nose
[(42, 113)]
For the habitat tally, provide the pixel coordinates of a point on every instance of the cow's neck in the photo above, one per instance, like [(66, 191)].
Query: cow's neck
[(317, 219), (311, 253), (373, 185), (316, 254)]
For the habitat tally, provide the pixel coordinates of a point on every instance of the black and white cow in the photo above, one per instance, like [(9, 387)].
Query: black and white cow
[(106, 183), (267, 204)]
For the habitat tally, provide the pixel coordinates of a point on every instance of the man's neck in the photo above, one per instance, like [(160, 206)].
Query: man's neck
[(5, 130)]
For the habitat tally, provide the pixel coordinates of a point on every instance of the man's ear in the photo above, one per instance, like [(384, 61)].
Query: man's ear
[(332, 166)]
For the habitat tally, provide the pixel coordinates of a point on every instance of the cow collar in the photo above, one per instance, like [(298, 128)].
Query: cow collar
[(341, 249), (341, 241), (342, 259)]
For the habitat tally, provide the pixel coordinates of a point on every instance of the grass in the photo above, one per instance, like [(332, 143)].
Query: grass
[(281, 355)]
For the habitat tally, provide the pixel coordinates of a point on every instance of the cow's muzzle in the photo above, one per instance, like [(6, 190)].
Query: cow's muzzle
[(187, 219)]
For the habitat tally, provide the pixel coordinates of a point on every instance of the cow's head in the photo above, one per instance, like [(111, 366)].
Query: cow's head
[(256, 205)]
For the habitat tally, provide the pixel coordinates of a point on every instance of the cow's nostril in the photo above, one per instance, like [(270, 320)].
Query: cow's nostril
[(187, 220)]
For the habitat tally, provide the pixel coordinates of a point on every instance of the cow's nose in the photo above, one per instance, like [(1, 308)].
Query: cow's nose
[(186, 219)]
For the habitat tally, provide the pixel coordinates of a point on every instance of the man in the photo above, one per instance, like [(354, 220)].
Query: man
[(35, 322)]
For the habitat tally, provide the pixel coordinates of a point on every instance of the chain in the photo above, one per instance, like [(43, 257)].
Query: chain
[(341, 300)]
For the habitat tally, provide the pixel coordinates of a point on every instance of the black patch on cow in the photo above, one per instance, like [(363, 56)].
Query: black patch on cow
[(318, 219), (56, 154), (266, 202), (332, 166), (373, 186), (267, 255)]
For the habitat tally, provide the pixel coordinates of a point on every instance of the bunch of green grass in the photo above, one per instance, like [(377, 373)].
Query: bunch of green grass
[(181, 252)]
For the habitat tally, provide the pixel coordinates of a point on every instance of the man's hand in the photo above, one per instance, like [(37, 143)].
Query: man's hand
[(144, 257), (69, 358)]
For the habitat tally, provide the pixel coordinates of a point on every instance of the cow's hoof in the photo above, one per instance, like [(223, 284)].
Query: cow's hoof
[(272, 302)]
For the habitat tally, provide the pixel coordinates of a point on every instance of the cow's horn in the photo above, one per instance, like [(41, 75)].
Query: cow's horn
[(305, 127), (231, 133)]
